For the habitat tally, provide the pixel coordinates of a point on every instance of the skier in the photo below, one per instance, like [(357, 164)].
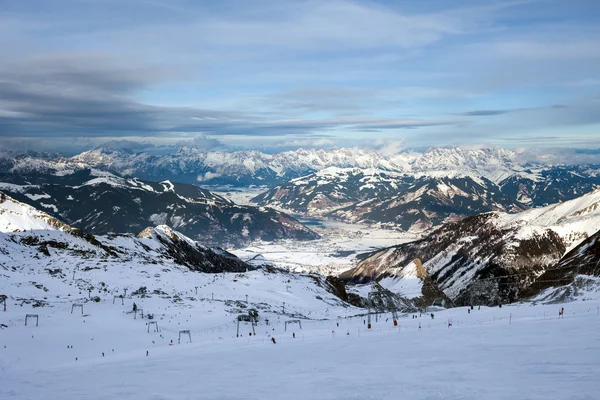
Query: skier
[(134, 307), (431, 315), (294, 335), (468, 311), (273, 340)]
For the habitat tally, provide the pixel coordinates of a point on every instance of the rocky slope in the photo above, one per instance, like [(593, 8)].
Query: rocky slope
[(496, 255), (576, 275), (386, 199)]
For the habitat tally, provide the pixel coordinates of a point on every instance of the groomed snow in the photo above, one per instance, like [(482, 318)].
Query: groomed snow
[(483, 355)]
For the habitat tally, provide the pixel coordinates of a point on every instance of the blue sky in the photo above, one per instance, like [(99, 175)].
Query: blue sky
[(285, 74)]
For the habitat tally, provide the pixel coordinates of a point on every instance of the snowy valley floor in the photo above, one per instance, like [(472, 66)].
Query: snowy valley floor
[(483, 355), (335, 252)]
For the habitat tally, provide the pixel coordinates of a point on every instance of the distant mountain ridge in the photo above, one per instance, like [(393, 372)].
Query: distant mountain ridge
[(385, 199), (409, 191), (244, 168), (100, 202)]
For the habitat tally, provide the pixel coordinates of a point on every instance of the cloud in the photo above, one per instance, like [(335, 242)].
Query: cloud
[(123, 144), (207, 176), (486, 113), (557, 156), (201, 142), (165, 72), (73, 96)]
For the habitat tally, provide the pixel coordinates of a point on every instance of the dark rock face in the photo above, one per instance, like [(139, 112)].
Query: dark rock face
[(106, 204), (338, 288), (191, 254), (572, 274), (474, 249)]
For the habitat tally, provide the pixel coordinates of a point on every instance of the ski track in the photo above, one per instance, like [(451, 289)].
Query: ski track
[(484, 355)]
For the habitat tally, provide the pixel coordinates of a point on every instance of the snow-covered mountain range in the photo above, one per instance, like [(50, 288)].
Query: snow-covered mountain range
[(243, 168), (496, 253), (100, 202), (410, 191), (388, 199)]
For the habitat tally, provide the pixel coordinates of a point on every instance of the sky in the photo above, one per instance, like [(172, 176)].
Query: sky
[(75, 74)]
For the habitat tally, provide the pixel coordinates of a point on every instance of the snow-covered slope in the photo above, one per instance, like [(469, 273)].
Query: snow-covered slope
[(16, 217), (501, 254), (49, 267), (32, 237)]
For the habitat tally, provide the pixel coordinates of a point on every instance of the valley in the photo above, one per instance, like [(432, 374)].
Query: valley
[(119, 273)]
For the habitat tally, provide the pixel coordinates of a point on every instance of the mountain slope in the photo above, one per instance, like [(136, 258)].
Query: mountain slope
[(576, 275), (388, 199), (332, 188), (501, 253), (27, 235), (102, 203), (429, 202)]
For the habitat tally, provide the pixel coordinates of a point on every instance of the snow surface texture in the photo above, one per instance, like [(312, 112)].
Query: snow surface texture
[(486, 354)]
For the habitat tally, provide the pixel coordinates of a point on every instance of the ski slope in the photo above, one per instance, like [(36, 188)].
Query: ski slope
[(486, 354)]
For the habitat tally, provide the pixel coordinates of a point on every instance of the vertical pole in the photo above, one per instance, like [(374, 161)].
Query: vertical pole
[(196, 290), (246, 299), (283, 307), (510, 320), (212, 296)]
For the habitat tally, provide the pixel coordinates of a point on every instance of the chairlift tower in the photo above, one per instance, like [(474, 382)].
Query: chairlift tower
[(73, 306), (245, 318), (184, 332), (37, 318), (293, 321), (155, 327)]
